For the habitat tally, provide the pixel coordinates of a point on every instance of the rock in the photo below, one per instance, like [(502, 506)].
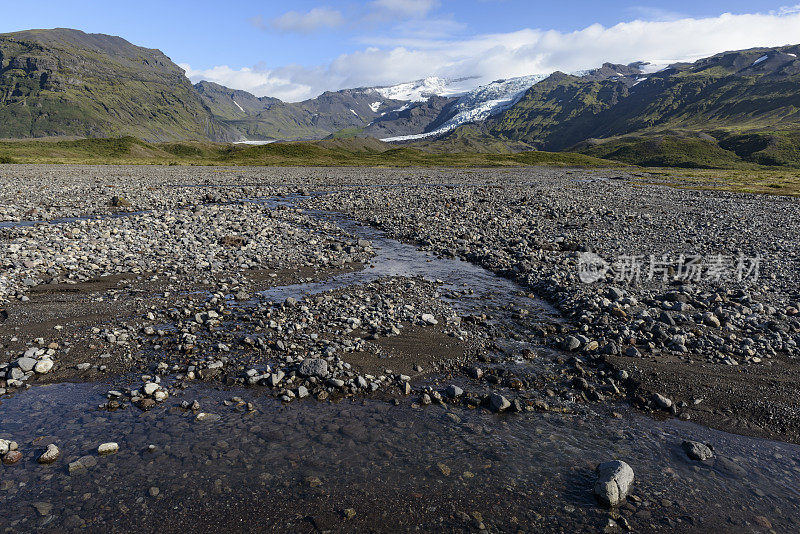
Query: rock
[(7, 445), (107, 448), (150, 388), (26, 364), (314, 367), (43, 366), (275, 378), (119, 202), (12, 457), (335, 382), (453, 391), (661, 401), (146, 404), (50, 455), (476, 373), (209, 417), (572, 343), (349, 513), (76, 467), (709, 319), (614, 480), (615, 293), (498, 403), (429, 319), (632, 352), (697, 451), (44, 508)]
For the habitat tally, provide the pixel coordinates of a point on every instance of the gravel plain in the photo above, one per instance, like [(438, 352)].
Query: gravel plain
[(144, 301)]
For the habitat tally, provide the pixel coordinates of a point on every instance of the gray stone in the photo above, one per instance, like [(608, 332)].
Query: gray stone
[(453, 391), (26, 364), (662, 402), (498, 403), (697, 451), (614, 480), (429, 319), (43, 366), (314, 367)]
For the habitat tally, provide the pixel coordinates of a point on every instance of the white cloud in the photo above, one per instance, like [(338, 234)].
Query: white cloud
[(316, 19), (406, 8), (527, 51), (786, 10)]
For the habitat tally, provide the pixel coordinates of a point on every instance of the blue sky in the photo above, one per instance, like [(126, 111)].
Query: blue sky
[(297, 50)]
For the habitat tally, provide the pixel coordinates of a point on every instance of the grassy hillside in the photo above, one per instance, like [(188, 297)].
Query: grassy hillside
[(558, 111), (719, 149), (732, 109), (66, 82), (355, 152)]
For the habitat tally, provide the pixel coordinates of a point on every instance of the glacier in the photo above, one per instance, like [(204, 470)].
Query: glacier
[(481, 103)]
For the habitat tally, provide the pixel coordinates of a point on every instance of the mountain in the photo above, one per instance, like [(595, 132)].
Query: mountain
[(265, 118), (741, 107), (64, 82), (735, 108), (68, 83)]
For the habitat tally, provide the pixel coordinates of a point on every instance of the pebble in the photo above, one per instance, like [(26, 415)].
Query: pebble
[(50, 455), (108, 448)]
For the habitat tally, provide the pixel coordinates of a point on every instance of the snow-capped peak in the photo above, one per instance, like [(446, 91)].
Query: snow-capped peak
[(421, 90)]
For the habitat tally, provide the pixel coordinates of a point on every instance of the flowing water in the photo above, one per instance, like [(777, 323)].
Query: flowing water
[(297, 467)]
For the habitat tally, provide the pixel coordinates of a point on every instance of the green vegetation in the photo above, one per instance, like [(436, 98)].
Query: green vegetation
[(767, 182), (348, 133), (471, 138), (355, 152), (693, 150)]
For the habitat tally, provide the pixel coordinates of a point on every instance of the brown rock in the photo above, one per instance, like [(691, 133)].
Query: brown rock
[(12, 457)]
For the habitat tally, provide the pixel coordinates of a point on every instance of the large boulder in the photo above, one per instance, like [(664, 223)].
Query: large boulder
[(614, 480)]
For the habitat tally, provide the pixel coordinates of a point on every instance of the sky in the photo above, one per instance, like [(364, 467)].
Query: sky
[(296, 50)]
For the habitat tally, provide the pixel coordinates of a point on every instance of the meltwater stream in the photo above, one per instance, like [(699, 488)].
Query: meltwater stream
[(297, 467)]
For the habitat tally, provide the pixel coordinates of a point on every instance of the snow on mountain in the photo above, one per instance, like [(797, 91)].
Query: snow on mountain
[(375, 106), (759, 60), (421, 90), (481, 103)]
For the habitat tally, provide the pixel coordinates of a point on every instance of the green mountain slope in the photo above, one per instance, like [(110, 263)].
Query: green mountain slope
[(68, 83), (734, 108)]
